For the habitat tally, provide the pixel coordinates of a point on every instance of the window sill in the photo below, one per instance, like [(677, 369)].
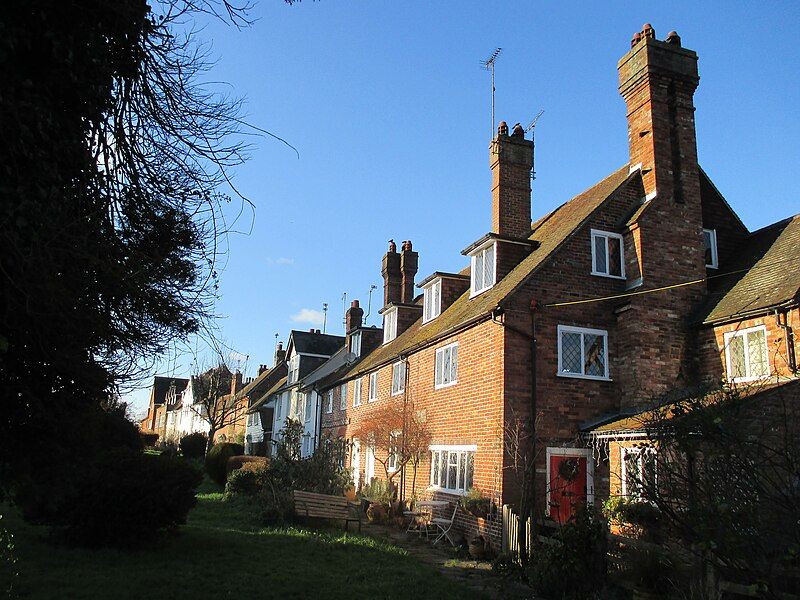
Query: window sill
[(398, 393), (441, 490), (370, 400), (445, 385), (607, 276), (712, 267), (579, 376), (748, 379)]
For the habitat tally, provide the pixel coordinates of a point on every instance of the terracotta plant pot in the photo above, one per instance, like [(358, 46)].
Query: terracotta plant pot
[(376, 512)]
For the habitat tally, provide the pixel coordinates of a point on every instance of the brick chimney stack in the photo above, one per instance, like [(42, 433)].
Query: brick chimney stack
[(280, 354), (657, 79), (409, 263), (392, 278), (511, 161), (262, 368), (236, 382), (353, 317)]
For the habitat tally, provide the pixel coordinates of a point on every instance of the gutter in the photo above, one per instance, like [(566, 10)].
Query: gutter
[(766, 310)]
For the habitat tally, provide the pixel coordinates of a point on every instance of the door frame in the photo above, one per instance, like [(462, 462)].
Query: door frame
[(585, 452)]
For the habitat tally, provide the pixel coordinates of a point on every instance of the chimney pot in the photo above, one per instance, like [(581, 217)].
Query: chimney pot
[(392, 246), (637, 37), (518, 131), (648, 31), (354, 304), (674, 38), (502, 128)]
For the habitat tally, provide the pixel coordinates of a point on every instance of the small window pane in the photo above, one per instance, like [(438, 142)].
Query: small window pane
[(488, 266), (452, 471), (571, 352), (439, 354), (599, 254), (453, 363), (736, 349), (443, 469), (614, 257), (757, 353), (469, 470), (595, 355)]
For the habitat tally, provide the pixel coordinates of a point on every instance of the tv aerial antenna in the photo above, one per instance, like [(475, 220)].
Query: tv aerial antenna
[(532, 127), (488, 65)]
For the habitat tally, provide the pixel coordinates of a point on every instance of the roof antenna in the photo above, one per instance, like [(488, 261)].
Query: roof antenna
[(532, 127), (344, 310), (488, 65), (369, 303), (324, 316)]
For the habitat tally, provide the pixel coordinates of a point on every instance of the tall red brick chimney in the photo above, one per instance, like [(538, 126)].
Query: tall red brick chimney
[(392, 278), (511, 161), (409, 263), (353, 317), (657, 79)]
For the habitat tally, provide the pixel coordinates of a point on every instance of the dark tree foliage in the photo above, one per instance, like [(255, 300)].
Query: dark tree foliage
[(111, 155)]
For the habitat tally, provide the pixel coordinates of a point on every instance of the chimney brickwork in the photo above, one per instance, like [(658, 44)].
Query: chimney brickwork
[(409, 263), (353, 317), (392, 277), (280, 354), (511, 161)]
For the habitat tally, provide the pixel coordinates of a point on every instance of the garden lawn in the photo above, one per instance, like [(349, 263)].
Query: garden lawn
[(222, 552)]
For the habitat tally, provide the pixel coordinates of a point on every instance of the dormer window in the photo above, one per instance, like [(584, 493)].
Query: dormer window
[(608, 256), (355, 343), (432, 300), (389, 325), (483, 269), (710, 243)]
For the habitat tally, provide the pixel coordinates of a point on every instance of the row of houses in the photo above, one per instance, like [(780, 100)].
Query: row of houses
[(641, 288)]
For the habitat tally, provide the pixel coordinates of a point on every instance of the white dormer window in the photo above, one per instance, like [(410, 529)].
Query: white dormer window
[(432, 300), (389, 325), (294, 368), (483, 269), (355, 343), (608, 255), (710, 243)]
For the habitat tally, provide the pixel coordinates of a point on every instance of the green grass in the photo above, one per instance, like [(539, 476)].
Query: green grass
[(223, 552)]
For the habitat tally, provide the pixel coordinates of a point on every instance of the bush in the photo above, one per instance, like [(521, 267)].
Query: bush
[(575, 568), (244, 483), (476, 503), (217, 460), (149, 440), (193, 445), (378, 491), (238, 462), (126, 497)]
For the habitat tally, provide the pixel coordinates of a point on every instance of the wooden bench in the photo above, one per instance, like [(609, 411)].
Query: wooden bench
[(322, 506)]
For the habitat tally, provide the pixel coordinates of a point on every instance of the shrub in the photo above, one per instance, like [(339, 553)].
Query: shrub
[(193, 445), (149, 440), (125, 497), (217, 460), (476, 503), (574, 568), (244, 483), (238, 462), (378, 491)]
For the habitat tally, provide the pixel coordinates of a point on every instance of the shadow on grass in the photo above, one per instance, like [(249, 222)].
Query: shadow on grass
[(224, 552)]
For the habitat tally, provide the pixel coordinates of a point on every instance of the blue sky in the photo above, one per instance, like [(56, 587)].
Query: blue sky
[(390, 111)]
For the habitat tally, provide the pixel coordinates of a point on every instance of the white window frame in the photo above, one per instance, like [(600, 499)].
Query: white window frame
[(438, 367), (582, 330), (597, 233), (432, 300), (640, 452), (394, 441), (398, 377), (479, 254), (744, 334), (389, 325), (712, 235), (343, 397), (436, 451), (551, 451), (294, 368), (372, 391), (357, 392), (329, 401), (355, 343)]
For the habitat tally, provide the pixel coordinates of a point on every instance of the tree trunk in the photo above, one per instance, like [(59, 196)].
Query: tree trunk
[(211, 433)]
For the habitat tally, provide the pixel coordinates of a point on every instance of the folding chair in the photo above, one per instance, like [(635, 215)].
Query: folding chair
[(443, 526)]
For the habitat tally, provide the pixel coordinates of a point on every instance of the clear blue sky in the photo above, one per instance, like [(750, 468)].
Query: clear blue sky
[(390, 111)]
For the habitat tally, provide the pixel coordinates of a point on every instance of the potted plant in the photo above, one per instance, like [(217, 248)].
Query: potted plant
[(476, 503)]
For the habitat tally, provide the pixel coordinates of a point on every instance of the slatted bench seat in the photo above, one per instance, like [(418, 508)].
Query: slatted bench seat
[(322, 506)]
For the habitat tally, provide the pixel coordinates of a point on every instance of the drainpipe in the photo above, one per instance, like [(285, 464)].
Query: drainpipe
[(790, 355)]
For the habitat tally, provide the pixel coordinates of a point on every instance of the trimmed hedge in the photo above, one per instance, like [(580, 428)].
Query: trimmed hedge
[(217, 460), (244, 483), (194, 445), (125, 497)]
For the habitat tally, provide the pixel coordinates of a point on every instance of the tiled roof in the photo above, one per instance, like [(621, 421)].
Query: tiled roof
[(162, 384), (765, 273), (550, 232), (316, 343), (258, 385), (265, 397)]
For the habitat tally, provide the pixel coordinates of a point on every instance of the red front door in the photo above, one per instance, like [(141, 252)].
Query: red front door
[(567, 485)]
